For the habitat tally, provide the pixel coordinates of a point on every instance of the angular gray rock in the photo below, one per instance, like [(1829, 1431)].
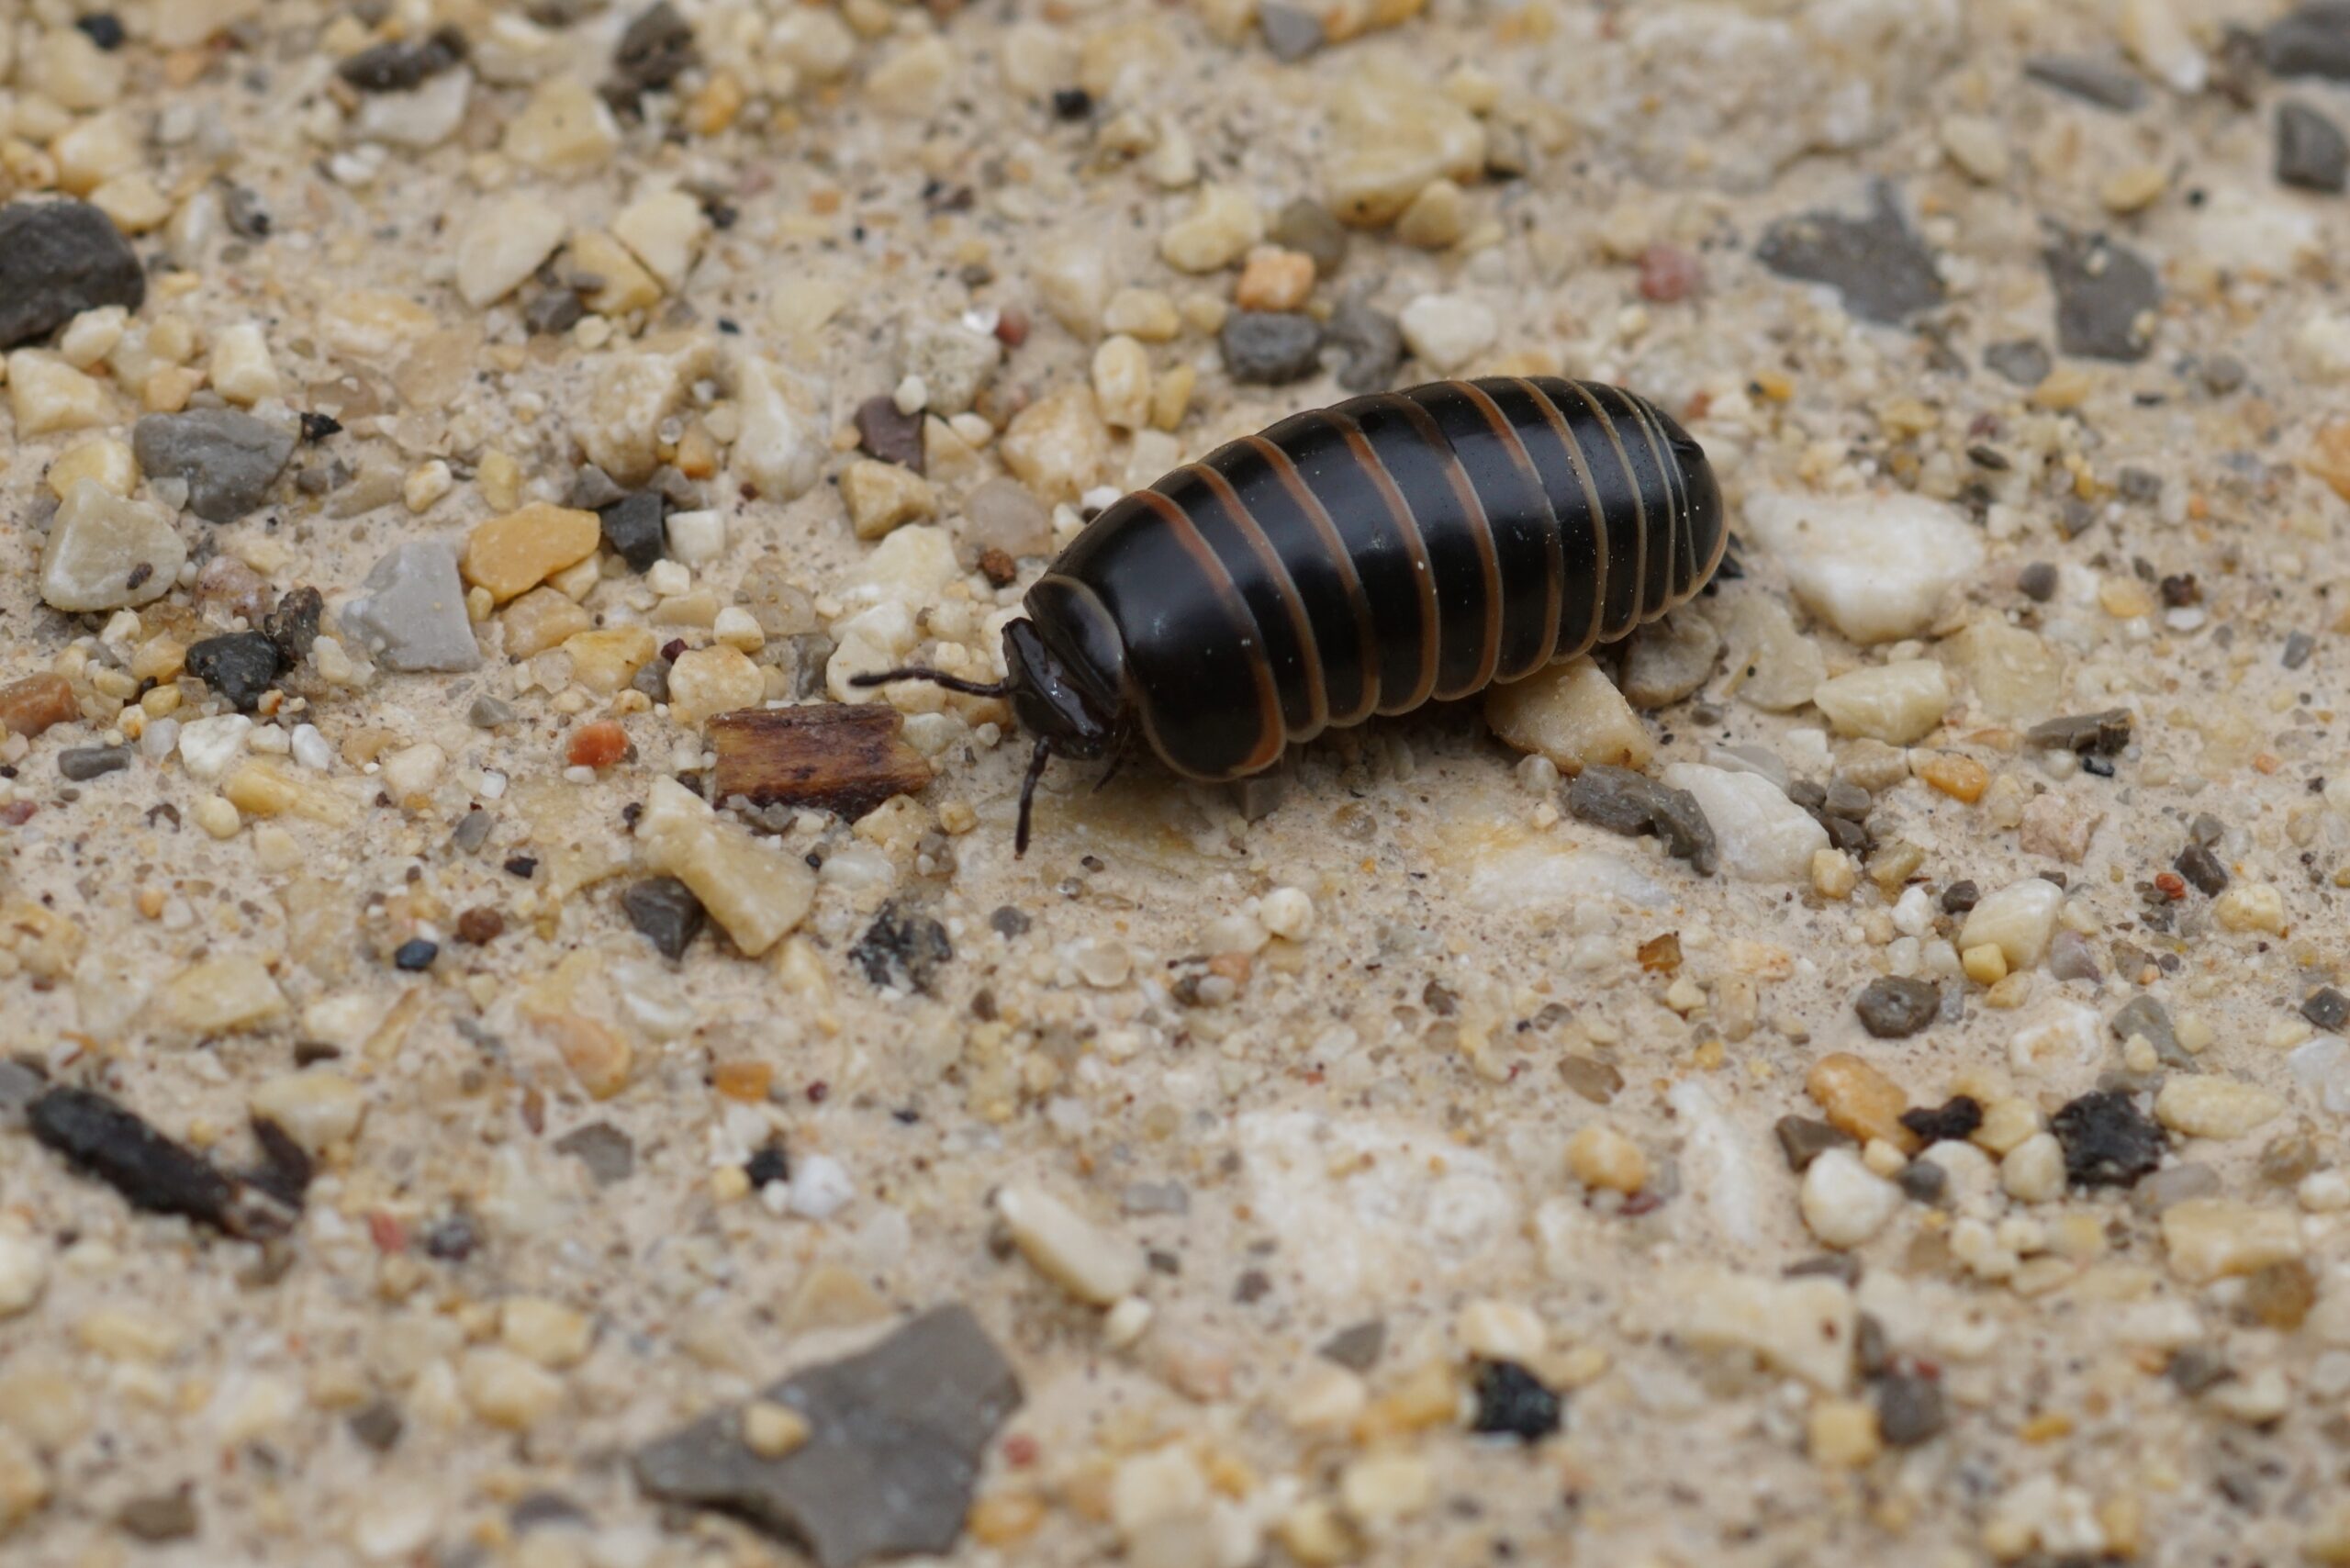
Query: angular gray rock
[(229, 459), (895, 1439), (2107, 83), (411, 612), (2313, 40), (2105, 298), (1876, 264), (1270, 348), (57, 259), (1668, 659), (2310, 153)]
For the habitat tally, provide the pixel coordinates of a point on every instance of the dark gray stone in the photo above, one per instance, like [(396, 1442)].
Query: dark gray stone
[(103, 1139), (1369, 344), (2202, 871), (2108, 1142), (2026, 361), (1894, 1007), (896, 1436), (901, 948), (1270, 348), (82, 762), (2091, 735), (1632, 803), (487, 712), (2143, 1016), (2105, 298), (608, 1153), (1291, 34), (888, 432), (1876, 264), (666, 912), (654, 50), (57, 259), (2037, 581), (241, 666), (2312, 42), (2310, 153), (1357, 1347), (229, 459), (2299, 646), (2327, 1008), (634, 529), (1922, 1181), (1909, 1408), (1803, 1141), (160, 1516), (2107, 83), (403, 67), (1666, 660)]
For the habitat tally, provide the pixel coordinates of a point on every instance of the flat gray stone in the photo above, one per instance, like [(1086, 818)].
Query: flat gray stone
[(411, 612), (2310, 153), (1875, 264), (895, 1440), (1668, 659), (229, 459), (2313, 40), (2107, 83), (2105, 298)]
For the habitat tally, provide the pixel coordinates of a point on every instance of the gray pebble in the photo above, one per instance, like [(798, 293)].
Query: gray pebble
[(1311, 229), (2070, 958), (411, 612), (895, 1443), (2105, 298), (1894, 1007), (2107, 83), (2327, 1008), (1142, 1198), (228, 459), (2203, 869), (2037, 581), (1909, 1409), (1631, 803), (2299, 646), (159, 1516), (2025, 362), (2313, 40), (487, 712), (1875, 264), (608, 1153), (2176, 1185), (86, 762), (1291, 34), (2223, 373), (1370, 345), (57, 259), (2310, 153), (2142, 1014), (1270, 348), (1004, 514), (1357, 1347), (1803, 1141)]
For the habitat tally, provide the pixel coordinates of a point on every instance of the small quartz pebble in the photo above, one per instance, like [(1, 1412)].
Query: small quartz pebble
[(2204, 1105), (1092, 1264), (1760, 835), (1844, 1202), (1446, 332), (229, 459), (510, 555), (1876, 569), (105, 552), (1287, 911)]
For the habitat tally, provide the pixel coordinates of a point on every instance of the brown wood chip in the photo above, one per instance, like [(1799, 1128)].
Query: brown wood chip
[(843, 757)]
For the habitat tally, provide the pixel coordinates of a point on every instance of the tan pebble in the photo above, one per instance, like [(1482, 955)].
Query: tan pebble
[(565, 129), (1961, 777), (1833, 874), (622, 282), (1274, 280), (316, 1108), (506, 1390), (1058, 445), (605, 661), (1218, 230), (2250, 906), (1843, 1433), (1858, 1098), (2205, 1105), (708, 681), (772, 1431), (510, 554), (2210, 1239), (884, 496), (598, 1058), (1896, 703), (548, 1332), (1572, 714), (541, 619), (1084, 1260), (1601, 1157)]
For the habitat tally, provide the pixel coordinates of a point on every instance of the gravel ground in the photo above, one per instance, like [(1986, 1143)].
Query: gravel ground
[(1855, 1074)]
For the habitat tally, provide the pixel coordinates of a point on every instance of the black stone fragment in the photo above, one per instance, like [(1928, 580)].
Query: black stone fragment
[(1008, 921), (608, 1153), (240, 665), (1622, 800), (1954, 1121), (1894, 1007), (2327, 1008), (896, 1437), (1270, 348), (1071, 102), (453, 1237), (1876, 264), (105, 1140), (633, 528), (82, 762), (1909, 1408), (666, 912), (1961, 897), (1357, 1347), (2091, 735), (523, 866), (2312, 42), (286, 1167), (402, 67), (316, 427), (1922, 1181), (2107, 83), (769, 1162), (160, 1516), (657, 48), (1803, 1141), (2026, 361), (888, 432), (2108, 1142), (57, 259), (1368, 343), (414, 954), (293, 627), (1513, 1402), (103, 28), (2202, 870), (2105, 298), (2310, 153), (902, 949)]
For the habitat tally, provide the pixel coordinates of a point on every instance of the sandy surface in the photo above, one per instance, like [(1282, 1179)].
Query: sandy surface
[(1409, 1048)]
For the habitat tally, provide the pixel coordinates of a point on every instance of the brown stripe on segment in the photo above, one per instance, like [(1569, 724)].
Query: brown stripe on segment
[(1480, 535), (1424, 575), (1597, 512), (1638, 566), (1554, 580), (1367, 628), (1271, 736), (1316, 694)]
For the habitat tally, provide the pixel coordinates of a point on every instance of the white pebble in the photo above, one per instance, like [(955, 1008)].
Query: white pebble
[(1843, 1200), (912, 395), (209, 745), (820, 1187), (1287, 912), (310, 749), (695, 537)]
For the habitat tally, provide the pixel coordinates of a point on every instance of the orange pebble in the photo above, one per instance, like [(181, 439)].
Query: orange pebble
[(598, 745)]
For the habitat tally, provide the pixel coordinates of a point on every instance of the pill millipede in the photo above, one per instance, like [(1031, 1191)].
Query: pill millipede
[(1361, 559)]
